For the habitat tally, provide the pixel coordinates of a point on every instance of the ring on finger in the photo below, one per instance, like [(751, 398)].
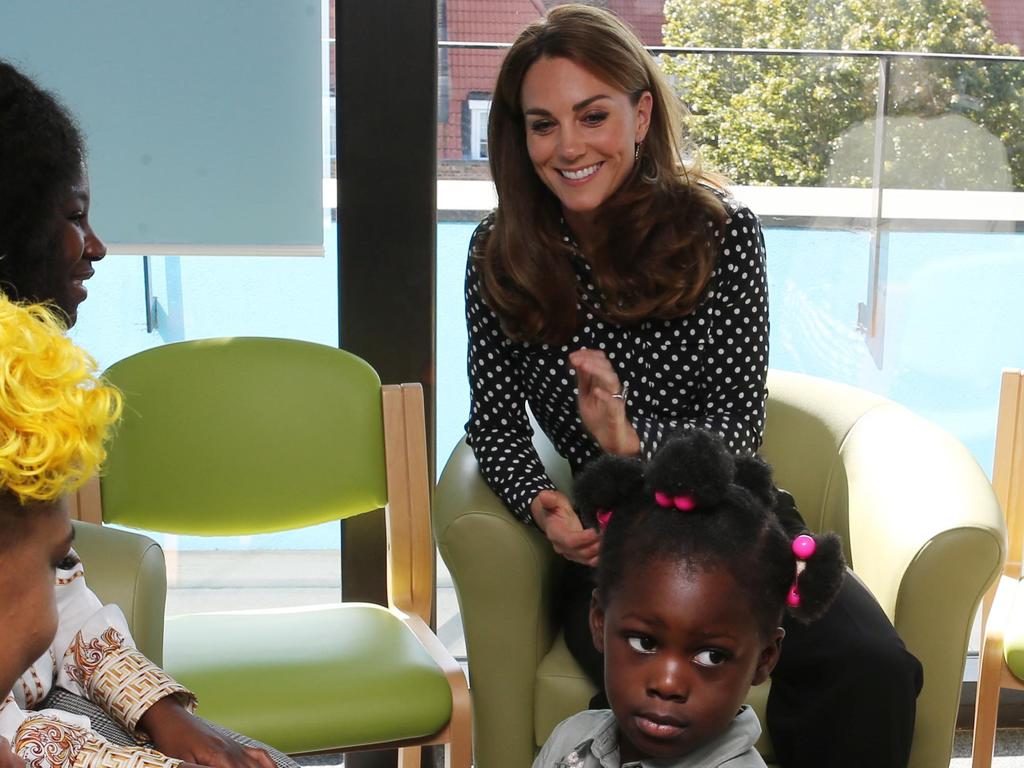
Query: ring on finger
[(621, 394)]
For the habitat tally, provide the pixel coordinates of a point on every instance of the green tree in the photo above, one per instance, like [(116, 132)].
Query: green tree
[(809, 120)]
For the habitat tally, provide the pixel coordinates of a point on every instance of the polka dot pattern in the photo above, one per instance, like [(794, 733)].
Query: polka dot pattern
[(706, 369)]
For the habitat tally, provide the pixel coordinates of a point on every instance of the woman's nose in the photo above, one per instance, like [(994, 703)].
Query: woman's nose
[(95, 249), (570, 146)]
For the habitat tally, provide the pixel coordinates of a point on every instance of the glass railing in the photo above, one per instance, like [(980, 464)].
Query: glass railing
[(892, 198)]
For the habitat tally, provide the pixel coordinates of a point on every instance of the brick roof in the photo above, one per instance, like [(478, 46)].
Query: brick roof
[(1007, 19)]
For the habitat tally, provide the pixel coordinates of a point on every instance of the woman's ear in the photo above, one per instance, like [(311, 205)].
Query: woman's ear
[(644, 107), (769, 656), (597, 622)]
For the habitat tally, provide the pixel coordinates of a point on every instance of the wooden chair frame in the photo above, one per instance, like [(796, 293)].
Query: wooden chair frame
[(410, 563), (1007, 480)]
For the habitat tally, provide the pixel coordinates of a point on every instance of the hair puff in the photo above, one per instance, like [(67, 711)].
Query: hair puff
[(755, 474), (695, 464), (820, 582), (609, 482), (55, 411)]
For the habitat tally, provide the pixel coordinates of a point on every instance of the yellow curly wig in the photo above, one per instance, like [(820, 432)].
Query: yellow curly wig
[(55, 410)]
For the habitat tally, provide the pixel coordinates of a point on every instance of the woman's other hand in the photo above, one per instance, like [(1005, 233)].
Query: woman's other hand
[(177, 733), (602, 412), (553, 513), (7, 757)]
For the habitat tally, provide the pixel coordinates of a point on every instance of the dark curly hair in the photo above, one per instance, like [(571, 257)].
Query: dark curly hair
[(41, 155), (720, 514)]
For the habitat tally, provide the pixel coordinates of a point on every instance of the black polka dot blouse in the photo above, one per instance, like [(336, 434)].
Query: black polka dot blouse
[(706, 369)]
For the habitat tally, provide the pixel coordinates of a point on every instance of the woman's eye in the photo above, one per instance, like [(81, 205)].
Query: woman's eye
[(642, 643), (711, 657), (595, 118), (69, 561), (540, 126)]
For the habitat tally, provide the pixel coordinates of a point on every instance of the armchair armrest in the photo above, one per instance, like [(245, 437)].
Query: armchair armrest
[(504, 573), (127, 569), (927, 537)]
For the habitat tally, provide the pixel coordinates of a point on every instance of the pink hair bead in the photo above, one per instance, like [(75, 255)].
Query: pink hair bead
[(793, 598), (663, 499), (804, 546), (684, 503)]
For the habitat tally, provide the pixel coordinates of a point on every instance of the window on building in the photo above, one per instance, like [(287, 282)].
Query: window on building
[(479, 109)]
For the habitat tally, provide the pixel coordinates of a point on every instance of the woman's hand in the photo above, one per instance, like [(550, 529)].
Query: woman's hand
[(554, 514), (602, 413), (7, 757), (177, 733)]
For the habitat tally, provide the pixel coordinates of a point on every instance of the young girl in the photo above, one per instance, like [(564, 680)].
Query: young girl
[(694, 576)]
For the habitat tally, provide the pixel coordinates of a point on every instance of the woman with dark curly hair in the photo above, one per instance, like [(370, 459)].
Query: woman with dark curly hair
[(47, 251), (47, 245), (621, 292)]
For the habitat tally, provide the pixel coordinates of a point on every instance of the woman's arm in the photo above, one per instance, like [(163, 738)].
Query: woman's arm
[(95, 654), (498, 429), (500, 434)]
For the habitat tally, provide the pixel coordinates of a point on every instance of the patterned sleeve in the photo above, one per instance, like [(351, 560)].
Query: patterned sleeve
[(44, 742), (731, 386), (498, 429), (96, 657)]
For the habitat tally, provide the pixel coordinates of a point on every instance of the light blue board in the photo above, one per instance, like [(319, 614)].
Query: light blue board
[(202, 117)]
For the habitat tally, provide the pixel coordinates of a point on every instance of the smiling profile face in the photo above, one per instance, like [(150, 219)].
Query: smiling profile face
[(76, 249), (681, 648), (581, 133)]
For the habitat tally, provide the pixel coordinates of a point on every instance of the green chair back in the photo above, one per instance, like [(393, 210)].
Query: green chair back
[(237, 436)]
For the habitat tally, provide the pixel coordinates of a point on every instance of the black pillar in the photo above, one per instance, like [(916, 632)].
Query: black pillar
[(386, 58)]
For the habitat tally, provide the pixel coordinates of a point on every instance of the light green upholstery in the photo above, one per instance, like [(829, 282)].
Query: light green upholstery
[(1013, 637), (247, 435), (127, 569), (347, 674), (921, 525)]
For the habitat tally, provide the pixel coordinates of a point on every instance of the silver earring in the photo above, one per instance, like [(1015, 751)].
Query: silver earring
[(636, 150)]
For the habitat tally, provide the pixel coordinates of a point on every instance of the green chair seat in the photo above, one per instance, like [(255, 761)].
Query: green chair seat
[(1013, 639), (374, 682)]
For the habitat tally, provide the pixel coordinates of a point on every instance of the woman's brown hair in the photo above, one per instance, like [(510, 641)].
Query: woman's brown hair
[(656, 249)]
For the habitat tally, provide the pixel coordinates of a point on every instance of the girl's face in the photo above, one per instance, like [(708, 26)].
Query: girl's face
[(40, 540), (580, 133), (681, 650)]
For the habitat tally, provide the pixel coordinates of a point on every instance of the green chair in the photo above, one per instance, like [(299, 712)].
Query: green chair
[(247, 435), (1001, 662), (919, 519)]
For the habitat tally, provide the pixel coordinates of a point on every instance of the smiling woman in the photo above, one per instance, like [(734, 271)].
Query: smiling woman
[(621, 293), (47, 245)]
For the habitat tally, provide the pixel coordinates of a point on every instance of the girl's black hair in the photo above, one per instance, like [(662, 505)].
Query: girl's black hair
[(727, 521), (41, 155)]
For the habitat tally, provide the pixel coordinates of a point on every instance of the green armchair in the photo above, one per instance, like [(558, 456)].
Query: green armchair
[(921, 525)]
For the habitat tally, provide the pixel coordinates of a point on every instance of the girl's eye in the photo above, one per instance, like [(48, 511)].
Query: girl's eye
[(642, 643), (68, 562), (711, 657)]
